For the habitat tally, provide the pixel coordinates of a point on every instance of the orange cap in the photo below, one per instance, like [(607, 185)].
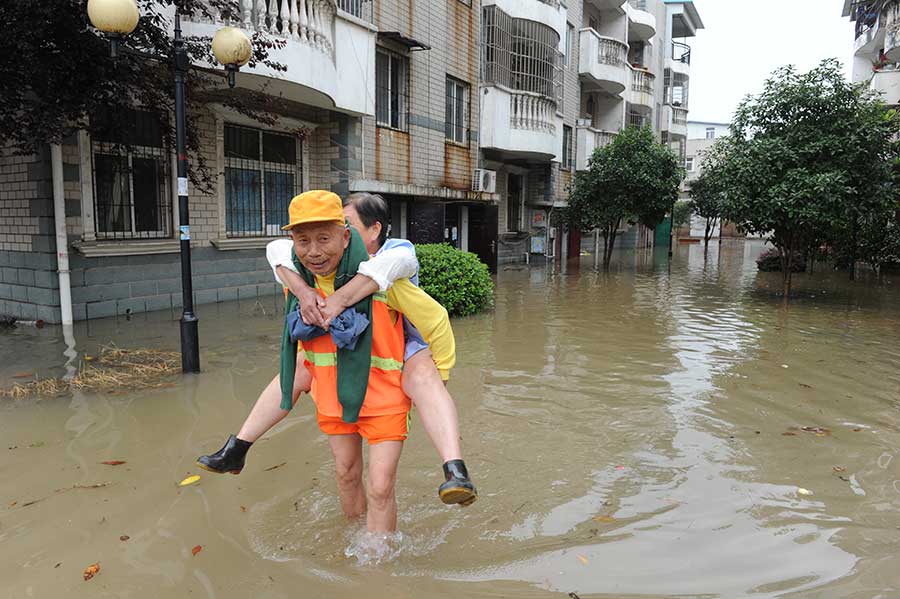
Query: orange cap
[(316, 206)]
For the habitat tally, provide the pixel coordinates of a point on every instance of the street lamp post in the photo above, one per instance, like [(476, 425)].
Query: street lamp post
[(231, 47)]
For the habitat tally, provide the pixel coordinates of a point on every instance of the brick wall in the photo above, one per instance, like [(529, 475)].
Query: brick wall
[(28, 281), (421, 156)]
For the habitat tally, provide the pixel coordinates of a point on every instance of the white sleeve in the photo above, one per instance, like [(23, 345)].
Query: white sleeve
[(279, 253), (390, 265)]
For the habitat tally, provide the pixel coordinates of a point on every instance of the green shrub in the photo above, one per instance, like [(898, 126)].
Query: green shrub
[(458, 280), (770, 261)]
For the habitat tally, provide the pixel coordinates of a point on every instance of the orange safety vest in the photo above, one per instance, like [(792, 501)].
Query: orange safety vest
[(384, 394)]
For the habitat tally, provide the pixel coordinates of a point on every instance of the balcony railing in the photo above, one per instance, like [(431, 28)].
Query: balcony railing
[(679, 116), (638, 4), (307, 21), (612, 52), (532, 112), (638, 120), (642, 81), (681, 53), (553, 3), (603, 138), (361, 9)]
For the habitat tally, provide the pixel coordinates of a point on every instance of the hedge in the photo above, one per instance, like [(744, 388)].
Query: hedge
[(458, 280)]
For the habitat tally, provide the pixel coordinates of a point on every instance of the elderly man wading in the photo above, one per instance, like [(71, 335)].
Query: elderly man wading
[(358, 392)]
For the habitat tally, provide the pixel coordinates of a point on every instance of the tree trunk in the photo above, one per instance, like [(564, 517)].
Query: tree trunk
[(611, 236), (788, 268), (706, 235)]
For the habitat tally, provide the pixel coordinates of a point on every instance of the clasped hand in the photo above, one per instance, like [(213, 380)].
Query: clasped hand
[(320, 311)]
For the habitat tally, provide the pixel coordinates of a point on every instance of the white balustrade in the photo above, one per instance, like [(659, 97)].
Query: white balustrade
[(527, 111), (306, 21)]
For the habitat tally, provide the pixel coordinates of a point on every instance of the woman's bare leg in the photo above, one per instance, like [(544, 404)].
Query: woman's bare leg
[(423, 384), (267, 412)]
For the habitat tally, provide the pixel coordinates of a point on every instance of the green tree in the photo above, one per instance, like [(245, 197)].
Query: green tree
[(707, 191), (631, 179), (59, 76), (807, 161)]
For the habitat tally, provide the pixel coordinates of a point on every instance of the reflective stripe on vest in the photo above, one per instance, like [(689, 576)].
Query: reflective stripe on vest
[(384, 394)]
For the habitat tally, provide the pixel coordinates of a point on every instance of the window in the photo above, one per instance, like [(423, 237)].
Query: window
[(567, 148), (710, 133), (514, 203), (392, 90), (594, 23), (456, 127), (521, 54), (132, 188), (570, 37), (262, 174), (689, 164)]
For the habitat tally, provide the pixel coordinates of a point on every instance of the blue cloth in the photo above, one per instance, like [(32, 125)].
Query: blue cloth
[(345, 329)]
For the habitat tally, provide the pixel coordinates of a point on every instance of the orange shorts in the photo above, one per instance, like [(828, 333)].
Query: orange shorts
[(374, 429)]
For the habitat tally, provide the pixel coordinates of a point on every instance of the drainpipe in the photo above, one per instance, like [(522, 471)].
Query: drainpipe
[(62, 242)]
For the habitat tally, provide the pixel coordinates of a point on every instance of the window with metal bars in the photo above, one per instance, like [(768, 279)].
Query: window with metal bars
[(521, 54), (262, 173), (456, 128), (132, 185), (391, 90), (567, 148)]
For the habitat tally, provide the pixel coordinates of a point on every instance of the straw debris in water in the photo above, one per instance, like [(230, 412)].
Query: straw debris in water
[(115, 370)]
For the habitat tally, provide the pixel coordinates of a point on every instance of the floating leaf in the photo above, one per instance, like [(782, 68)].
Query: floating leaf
[(124, 538), (196, 549), (805, 386), (802, 491), (189, 480), (788, 434), (275, 466), (113, 462), (582, 559), (603, 519), (91, 571), (22, 375), (821, 431), (838, 468), (243, 508)]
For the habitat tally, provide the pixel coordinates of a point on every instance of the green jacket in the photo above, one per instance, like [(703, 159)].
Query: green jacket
[(352, 365)]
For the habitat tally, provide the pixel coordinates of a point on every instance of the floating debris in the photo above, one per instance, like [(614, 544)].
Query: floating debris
[(115, 370), (189, 481), (91, 571)]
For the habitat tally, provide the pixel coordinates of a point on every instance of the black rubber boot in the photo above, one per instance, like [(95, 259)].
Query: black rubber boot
[(457, 489), (228, 459)]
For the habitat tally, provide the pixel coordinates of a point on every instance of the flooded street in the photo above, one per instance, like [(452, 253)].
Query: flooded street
[(648, 432)]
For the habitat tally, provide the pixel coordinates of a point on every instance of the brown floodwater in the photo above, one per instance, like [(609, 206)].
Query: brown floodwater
[(638, 433)]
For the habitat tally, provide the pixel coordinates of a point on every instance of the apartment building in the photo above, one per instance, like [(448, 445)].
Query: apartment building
[(470, 116), (876, 45), (561, 79), (701, 136)]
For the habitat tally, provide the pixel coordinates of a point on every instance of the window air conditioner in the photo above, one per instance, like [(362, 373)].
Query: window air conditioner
[(484, 180)]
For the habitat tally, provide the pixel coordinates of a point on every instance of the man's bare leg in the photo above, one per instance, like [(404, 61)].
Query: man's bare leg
[(348, 467), (423, 384), (381, 490), (265, 414)]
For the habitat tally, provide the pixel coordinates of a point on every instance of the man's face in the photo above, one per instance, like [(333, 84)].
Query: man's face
[(320, 246)]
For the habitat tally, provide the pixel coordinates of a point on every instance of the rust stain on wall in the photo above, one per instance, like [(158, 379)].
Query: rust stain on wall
[(457, 167), (392, 156)]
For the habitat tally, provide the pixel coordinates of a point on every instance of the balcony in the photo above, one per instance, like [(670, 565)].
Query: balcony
[(641, 23), (602, 62), (887, 83), (604, 5), (642, 87), (520, 125), (548, 12), (329, 50), (674, 120), (679, 60), (588, 139)]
